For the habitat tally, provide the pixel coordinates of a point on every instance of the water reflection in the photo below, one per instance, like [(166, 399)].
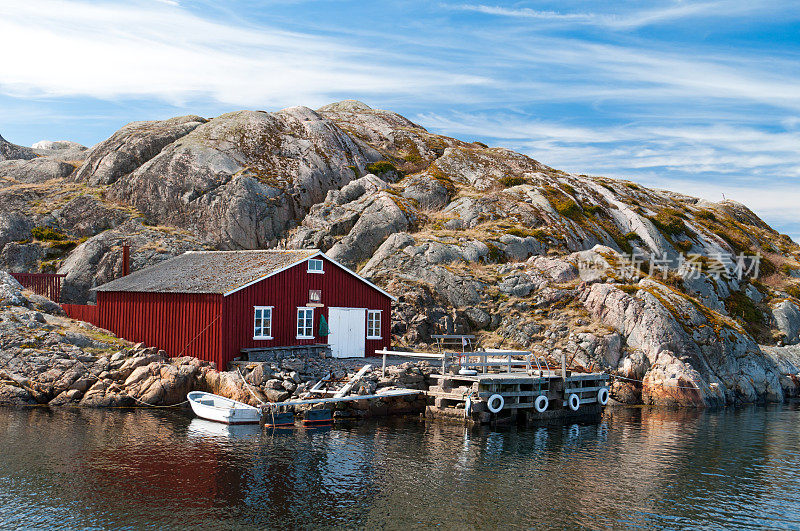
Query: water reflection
[(637, 467), (201, 428)]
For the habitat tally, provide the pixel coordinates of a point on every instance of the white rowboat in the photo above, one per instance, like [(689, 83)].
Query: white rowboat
[(221, 409)]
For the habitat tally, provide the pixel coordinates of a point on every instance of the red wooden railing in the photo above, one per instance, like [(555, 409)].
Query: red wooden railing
[(82, 312), (46, 284)]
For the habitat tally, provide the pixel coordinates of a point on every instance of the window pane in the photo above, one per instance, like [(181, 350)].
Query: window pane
[(305, 320), (373, 323)]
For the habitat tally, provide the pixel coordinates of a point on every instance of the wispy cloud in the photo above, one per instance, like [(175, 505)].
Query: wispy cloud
[(724, 149), (157, 49), (775, 204), (631, 20)]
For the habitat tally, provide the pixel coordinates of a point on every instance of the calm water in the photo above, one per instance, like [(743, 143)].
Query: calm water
[(637, 468)]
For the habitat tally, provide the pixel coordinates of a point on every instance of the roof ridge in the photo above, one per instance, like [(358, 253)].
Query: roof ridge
[(256, 251)]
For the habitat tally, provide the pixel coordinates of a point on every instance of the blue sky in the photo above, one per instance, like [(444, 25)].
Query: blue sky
[(697, 97)]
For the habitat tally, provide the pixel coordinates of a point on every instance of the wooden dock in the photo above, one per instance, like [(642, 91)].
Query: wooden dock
[(506, 386), (466, 397)]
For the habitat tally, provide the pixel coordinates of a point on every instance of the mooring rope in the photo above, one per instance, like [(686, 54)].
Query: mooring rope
[(247, 386), (97, 378), (268, 406)]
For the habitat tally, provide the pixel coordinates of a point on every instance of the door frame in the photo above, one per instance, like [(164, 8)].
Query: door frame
[(362, 341)]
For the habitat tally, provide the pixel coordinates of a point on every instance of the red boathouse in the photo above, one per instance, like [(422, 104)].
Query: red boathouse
[(212, 304)]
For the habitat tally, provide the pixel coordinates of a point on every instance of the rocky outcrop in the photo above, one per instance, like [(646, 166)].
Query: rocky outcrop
[(12, 294), (36, 170), (21, 257), (99, 259), (787, 316), (87, 216), (14, 227), (787, 359), (353, 222), (426, 263), (9, 151), (691, 355), (132, 146), (391, 134), (243, 178)]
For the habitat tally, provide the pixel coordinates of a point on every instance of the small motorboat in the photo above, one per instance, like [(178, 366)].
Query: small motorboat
[(221, 409), (318, 416)]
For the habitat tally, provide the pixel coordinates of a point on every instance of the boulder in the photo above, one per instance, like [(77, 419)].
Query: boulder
[(560, 271), (66, 397), (130, 147), (36, 170), (787, 316), (14, 227), (21, 257), (353, 222), (428, 192), (11, 395), (10, 291), (276, 395)]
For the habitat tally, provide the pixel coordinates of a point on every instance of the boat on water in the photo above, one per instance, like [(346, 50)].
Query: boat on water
[(220, 409), (202, 428)]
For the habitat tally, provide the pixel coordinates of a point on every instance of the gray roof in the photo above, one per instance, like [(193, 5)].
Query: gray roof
[(208, 271)]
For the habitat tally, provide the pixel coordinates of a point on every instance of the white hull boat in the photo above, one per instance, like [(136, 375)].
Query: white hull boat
[(221, 409)]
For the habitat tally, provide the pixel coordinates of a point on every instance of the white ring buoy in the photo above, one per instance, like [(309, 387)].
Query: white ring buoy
[(574, 402), (541, 403), (602, 396), (500, 403)]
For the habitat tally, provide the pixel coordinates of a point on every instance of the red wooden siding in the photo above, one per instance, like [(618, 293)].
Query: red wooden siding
[(287, 291), (45, 284), (82, 312), (179, 323)]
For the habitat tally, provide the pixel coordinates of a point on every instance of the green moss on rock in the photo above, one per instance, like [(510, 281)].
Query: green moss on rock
[(48, 234), (380, 167)]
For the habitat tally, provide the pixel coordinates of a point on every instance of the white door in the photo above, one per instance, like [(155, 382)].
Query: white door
[(348, 332)]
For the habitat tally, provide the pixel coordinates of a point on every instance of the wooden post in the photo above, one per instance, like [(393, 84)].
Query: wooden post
[(563, 365), (126, 260), (383, 367)]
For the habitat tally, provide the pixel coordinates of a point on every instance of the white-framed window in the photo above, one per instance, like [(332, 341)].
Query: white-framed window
[(315, 265), (373, 324), (305, 323), (262, 322)]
